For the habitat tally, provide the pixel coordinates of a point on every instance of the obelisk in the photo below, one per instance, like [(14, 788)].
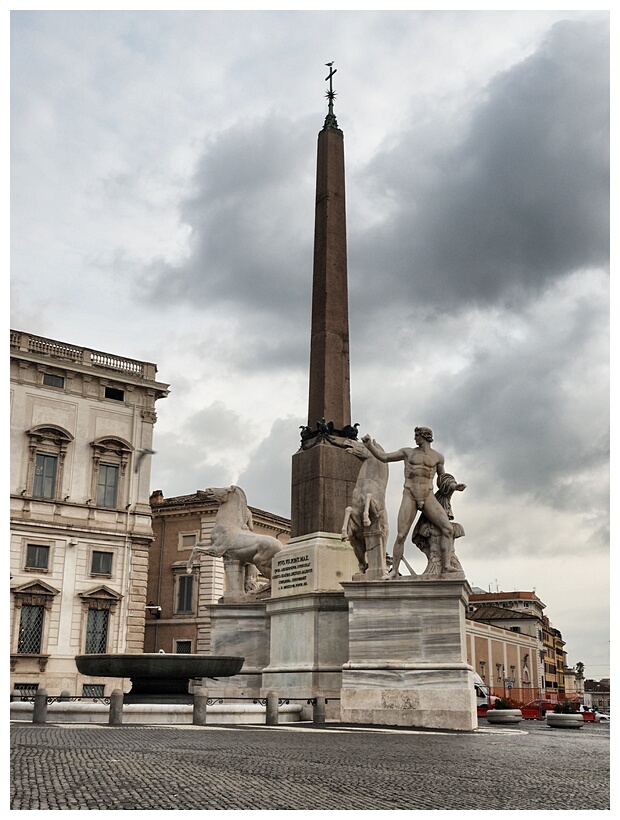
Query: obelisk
[(307, 610), (324, 474)]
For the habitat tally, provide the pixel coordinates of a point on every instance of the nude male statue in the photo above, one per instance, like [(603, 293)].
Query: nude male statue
[(422, 464)]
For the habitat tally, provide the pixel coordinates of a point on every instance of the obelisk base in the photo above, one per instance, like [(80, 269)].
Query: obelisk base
[(241, 630), (407, 662), (309, 618)]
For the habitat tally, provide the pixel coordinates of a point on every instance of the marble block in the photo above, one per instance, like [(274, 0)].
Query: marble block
[(309, 644), (318, 562), (242, 628), (407, 662)]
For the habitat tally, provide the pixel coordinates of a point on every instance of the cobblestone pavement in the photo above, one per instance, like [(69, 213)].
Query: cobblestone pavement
[(297, 767)]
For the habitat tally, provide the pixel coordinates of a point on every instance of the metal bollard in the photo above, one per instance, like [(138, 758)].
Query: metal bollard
[(116, 708), (199, 717), (271, 716), (39, 714), (318, 712)]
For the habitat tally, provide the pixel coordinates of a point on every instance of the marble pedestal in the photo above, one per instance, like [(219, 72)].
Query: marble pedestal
[(309, 618), (407, 663), (240, 629)]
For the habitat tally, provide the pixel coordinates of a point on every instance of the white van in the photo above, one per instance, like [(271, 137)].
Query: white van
[(482, 691)]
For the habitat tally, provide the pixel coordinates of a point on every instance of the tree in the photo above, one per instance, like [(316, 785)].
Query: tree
[(579, 669)]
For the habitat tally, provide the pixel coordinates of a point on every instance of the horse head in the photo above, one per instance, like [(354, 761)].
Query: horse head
[(233, 504)]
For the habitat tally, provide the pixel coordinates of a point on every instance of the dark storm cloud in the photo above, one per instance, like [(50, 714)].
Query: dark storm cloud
[(251, 218), (522, 200)]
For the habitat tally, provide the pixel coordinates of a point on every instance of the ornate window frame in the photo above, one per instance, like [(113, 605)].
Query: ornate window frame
[(179, 570), (117, 452), (52, 440), (32, 593), (101, 597)]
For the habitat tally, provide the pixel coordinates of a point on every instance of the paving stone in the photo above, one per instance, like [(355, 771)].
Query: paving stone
[(301, 767)]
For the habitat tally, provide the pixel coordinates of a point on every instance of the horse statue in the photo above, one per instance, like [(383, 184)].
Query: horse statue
[(234, 540), (365, 524)]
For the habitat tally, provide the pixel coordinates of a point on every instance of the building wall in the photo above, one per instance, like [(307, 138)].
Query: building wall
[(178, 523), (98, 413), (501, 657)]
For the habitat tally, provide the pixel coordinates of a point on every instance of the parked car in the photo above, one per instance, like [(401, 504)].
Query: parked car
[(601, 716), (535, 709)]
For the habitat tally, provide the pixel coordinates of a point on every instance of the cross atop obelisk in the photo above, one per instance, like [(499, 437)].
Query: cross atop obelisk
[(324, 473)]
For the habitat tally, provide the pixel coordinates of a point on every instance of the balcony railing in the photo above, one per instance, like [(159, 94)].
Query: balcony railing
[(81, 355)]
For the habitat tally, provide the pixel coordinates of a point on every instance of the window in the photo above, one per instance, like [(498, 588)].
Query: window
[(30, 630), (97, 631), (101, 563), (37, 556), (48, 449), (188, 541), (515, 629), (114, 393), (51, 380), (185, 590), (45, 476), (107, 485), (26, 690), (93, 690), (110, 460), (183, 647)]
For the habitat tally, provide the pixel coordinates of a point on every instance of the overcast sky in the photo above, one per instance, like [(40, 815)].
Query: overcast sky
[(162, 187)]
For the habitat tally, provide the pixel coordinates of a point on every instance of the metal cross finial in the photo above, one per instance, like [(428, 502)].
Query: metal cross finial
[(330, 120)]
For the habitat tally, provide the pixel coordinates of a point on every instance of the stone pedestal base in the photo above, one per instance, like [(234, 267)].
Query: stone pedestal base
[(407, 661), (239, 629), (309, 644)]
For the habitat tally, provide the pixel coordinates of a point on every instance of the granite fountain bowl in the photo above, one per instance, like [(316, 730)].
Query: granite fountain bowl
[(158, 665), (158, 676)]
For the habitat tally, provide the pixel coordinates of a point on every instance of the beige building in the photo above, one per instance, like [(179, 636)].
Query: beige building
[(520, 613), (177, 619), (80, 519)]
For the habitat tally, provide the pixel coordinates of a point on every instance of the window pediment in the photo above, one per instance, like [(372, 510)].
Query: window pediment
[(48, 434), (35, 588), (100, 593), (112, 445)]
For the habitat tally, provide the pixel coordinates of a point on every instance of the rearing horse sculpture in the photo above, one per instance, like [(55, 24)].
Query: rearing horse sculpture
[(365, 523), (234, 540)]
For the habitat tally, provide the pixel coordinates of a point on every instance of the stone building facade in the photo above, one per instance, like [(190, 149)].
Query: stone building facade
[(177, 619), (80, 520), (523, 614)]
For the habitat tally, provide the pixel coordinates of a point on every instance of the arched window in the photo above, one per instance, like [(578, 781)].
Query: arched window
[(110, 460), (47, 451)]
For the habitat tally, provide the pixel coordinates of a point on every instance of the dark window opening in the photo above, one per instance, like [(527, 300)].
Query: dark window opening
[(101, 563), (45, 476), (37, 556), (93, 690), (97, 631), (52, 380), (184, 596), (107, 485), (114, 393), (30, 630)]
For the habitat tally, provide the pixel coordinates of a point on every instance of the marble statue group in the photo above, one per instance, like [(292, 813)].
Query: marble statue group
[(427, 497)]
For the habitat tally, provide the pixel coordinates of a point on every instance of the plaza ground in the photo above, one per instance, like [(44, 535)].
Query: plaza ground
[(306, 767)]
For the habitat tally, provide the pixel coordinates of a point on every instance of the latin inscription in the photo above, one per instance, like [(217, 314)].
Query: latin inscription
[(292, 572)]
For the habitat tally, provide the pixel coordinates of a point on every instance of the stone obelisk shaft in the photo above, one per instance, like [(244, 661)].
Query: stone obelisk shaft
[(324, 473), (329, 394)]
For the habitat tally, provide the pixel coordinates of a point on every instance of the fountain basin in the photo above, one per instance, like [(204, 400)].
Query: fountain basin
[(157, 674)]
